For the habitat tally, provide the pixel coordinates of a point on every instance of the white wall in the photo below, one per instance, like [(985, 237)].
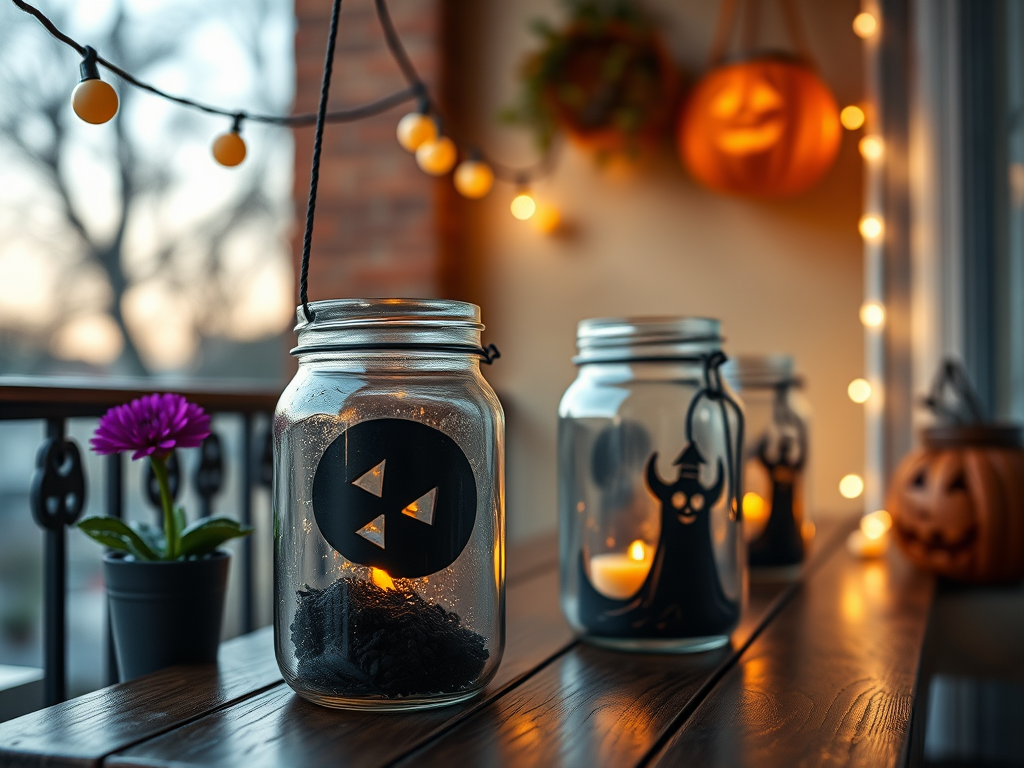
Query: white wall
[(783, 276)]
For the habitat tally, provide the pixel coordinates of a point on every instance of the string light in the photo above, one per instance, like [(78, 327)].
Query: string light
[(93, 100), (859, 390), (229, 148), (414, 130), (864, 25), (523, 205), (871, 148), (852, 117), (473, 178), (437, 157), (547, 219), (872, 314), (851, 486), (870, 227)]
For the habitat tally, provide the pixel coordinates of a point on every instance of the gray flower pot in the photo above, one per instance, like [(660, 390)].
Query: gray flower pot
[(165, 613)]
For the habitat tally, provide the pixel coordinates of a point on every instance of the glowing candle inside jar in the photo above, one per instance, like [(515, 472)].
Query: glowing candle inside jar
[(871, 539), (620, 575)]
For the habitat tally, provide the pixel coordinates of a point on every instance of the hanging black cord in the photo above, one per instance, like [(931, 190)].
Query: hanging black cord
[(314, 176), (713, 390)]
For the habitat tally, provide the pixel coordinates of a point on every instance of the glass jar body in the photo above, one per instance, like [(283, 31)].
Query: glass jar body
[(652, 551), (388, 528)]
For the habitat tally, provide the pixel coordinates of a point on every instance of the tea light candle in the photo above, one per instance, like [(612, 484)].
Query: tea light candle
[(872, 538), (620, 575)]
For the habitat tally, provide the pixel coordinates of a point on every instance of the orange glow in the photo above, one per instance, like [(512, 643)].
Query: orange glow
[(381, 578), (877, 524), (637, 551), (871, 148), (754, 507), (864, 25), (852, 117)]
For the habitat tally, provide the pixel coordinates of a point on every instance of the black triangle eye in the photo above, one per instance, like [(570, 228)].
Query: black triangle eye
[(920, 478), (959, 484)]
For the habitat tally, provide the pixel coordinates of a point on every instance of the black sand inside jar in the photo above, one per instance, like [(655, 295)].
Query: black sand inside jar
[(354, 638)]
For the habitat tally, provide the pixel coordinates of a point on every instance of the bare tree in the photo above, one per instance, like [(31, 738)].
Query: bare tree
[(41, 140)]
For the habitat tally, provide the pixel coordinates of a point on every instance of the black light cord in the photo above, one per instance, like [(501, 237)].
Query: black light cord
[(314, 176)]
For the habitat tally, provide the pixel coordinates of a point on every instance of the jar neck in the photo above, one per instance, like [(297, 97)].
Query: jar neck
[(388, 362)]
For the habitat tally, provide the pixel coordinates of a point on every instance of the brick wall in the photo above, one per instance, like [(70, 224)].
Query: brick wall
[(377, 215)]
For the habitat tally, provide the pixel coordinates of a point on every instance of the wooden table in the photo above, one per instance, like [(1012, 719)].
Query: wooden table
[(821, 672)]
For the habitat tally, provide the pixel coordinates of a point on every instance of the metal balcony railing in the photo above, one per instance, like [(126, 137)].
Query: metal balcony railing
[(60, 465)]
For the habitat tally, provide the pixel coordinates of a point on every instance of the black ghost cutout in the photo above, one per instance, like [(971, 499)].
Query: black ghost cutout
[(396, 495)]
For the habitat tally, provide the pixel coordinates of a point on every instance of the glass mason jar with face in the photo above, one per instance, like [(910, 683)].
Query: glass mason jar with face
[(775, 470), (389, 507), (652, 551)]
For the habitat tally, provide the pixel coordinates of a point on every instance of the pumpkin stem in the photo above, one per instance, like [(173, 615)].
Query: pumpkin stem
[(961, 405)]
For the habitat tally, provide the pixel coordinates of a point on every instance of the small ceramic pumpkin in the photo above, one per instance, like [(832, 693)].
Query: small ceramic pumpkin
[(765, 127), (958, 504)]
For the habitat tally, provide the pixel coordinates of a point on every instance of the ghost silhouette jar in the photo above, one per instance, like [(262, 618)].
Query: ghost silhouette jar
[(650, 440), (389, 507)]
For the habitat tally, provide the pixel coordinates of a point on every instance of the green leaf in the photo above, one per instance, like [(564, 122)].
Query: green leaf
[(153, 535), (180, 521), (204, 536), (115, 533)]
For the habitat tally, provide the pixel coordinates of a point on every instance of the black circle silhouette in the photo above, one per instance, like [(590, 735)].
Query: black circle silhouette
[(397, 495)]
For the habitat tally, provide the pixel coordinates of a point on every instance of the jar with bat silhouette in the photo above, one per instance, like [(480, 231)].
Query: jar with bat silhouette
[(775, 463), (389, 507), (649, 442)]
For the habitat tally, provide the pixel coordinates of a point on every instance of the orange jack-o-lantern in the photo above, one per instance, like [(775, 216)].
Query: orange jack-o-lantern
[(767, 127), (958, 504)]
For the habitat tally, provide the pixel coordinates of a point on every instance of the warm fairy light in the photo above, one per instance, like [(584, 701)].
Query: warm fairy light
[(871, 148), (870, 227), (852, 117), (851, 486), (877, 524), (637, 550), (859, 390), (864, 25), (381, 578), (872, 314), (547, 219), (437, 157), (229, 149), (754, 507), (473, 179), (523, 206), (414, 130), (94, 101)]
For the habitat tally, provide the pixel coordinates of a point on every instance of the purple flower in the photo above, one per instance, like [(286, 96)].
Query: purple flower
[(154, 424)]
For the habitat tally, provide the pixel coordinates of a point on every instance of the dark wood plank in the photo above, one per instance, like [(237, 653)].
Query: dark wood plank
[(829, 682), (594, 707), (277, 728), (82, 731), (531, 557)]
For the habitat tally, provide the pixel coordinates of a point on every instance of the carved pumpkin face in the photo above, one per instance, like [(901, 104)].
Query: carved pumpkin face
[(958, 512), (766, 128)]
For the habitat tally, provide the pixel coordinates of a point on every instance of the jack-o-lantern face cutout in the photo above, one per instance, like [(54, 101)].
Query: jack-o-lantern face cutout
[(958, 512), (396, 495), (765, 127)]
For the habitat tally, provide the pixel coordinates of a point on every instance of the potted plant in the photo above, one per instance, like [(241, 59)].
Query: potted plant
[(605, 79), (165, 585)]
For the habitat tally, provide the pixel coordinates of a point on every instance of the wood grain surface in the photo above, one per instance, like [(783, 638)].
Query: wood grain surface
[(277, 728), (829, 682), (82, 731)]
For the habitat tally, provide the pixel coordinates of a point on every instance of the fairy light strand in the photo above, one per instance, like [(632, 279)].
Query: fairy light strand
[(416, 90)]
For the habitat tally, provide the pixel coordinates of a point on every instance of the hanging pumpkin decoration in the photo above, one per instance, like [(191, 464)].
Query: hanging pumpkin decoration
[(958, 504), (766, 126), (605, 79)]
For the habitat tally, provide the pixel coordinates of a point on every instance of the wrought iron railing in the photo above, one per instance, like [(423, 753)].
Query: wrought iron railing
[(59, 483)]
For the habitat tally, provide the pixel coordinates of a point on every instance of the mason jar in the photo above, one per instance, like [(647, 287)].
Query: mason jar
[(775, 462), (389, 507), (652, 551)]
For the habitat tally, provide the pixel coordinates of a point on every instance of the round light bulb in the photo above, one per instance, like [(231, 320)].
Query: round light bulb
[(872, 314), (94, 101), (859, 390), (437, 157), (877, 524), (523, 206), (851, 486), (870, 227), (414, 130), (864, 25), (229, 149), (473, 179), (852, 117), (871, 148)]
